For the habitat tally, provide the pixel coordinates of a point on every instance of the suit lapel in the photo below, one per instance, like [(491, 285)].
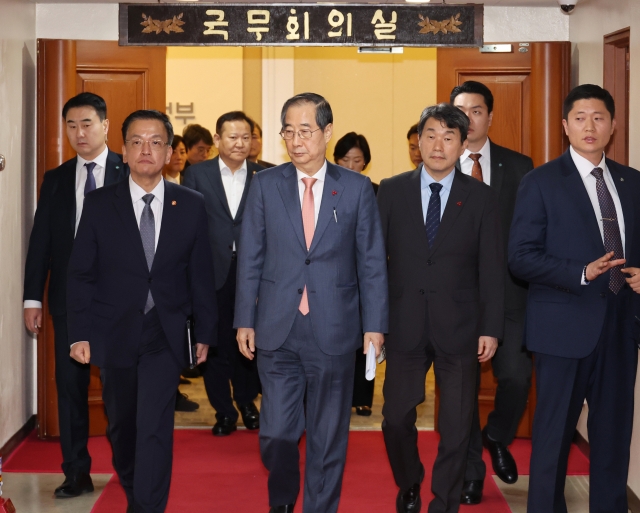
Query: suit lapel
[(114, 170), (626, 200), (251, 170), (331, 195), (288, 187), (577, 191), (213, 174), (497, 167), (455, 204), (169, 224), (124, 207), (68, 191), (413, 194)]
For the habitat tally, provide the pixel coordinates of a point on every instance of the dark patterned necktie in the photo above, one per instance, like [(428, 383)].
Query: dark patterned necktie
[(432, 222), (90, 184), (148, 235), (610, 229)]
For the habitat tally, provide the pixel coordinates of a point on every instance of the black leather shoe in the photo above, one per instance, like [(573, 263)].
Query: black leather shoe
[(74, 486), (288, 508), (503, 463), (409, 501), (250, 415), (224, 427), (363, 411), (183, 403), (471, 492), (184, 381)]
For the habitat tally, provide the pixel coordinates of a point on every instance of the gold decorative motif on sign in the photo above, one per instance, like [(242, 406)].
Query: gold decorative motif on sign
[(445, 26), (157, 26)]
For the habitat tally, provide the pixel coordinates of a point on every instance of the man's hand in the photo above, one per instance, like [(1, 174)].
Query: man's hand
[(633, 278), (201, 353), (486, 348), (602, 265), (80, 352), (246, 338), (33, 319), (376, 338)]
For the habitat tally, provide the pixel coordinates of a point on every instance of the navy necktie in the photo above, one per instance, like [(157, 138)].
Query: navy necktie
[(610, 230), (90, 184), (148, 235), (432, 222)]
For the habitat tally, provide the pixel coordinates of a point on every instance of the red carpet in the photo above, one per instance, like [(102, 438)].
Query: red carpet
[(216, 474)]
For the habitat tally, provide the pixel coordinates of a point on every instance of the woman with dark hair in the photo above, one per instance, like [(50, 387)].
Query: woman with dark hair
[(352, 151), (173, 170)]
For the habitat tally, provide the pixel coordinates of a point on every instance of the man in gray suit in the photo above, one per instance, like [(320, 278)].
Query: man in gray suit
[(224, 182), (312, 253)]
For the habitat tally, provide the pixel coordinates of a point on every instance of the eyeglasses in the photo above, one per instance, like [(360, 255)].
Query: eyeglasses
[(155, 144), (305, 133)]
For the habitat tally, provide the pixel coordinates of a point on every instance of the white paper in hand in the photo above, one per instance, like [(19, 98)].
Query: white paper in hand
[(370, 372)]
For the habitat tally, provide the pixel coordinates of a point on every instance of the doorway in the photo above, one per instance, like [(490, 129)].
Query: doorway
[(616, 81)]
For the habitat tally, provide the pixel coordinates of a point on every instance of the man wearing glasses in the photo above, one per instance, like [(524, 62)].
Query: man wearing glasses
[(141, 264), (312, 252)]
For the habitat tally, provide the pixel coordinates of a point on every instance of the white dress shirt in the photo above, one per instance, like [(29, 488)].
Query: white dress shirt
[(584, 168), (466, 164), (137, 193), (81, 180), (317, 188), (233, 184)]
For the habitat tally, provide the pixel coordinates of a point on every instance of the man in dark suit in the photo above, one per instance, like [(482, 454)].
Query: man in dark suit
[(54, 228), (141, 264), (576, 239), (256, 147), (198, 143), (501, 169), (446, 293), (311, 254), (224, 183)]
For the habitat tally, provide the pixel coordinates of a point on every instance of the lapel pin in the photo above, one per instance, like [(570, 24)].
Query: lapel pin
[(174, 203), (500, 165), (622, 179), (333, 193), (459, 203), (117, 167)]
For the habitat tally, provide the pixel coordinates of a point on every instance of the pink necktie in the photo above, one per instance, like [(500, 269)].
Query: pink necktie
[(309, 225)]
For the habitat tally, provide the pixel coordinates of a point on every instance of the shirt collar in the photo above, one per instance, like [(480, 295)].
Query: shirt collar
[(100, 160), (484, 151), (426, 179), (226, 170), (137, 192), (320, 175), (584, 166)]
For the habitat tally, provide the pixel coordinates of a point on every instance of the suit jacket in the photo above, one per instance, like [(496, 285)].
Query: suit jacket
[(54, 229), (459, 282), (264, 164), (554, 234), (344, 267), (224, 229), (508, 167), (109, 279)]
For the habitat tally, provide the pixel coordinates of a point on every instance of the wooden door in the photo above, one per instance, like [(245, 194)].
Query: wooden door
[(128, 78), (528, 84), (617, 57)]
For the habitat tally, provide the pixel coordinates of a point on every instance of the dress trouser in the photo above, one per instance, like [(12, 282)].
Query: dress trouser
[(404, 390), (140, 404), (512, 368), (296, 368), (362, 387), (72, 383), (225, 364), (606, 378)]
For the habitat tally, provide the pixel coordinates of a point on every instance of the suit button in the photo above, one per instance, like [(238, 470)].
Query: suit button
[(235, 224), (299, 291), (230, 247), (150, 280), (603, 295), (307, 261), (429, 262), (422, 291)]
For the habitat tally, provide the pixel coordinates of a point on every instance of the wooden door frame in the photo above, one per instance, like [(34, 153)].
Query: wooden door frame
[(616, 81)]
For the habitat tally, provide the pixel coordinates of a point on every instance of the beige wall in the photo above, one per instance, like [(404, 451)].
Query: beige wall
[(588, 24), (379, 96), (17, 111)]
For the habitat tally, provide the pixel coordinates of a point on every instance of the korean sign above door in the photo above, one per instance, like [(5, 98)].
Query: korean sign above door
[(299, 24)]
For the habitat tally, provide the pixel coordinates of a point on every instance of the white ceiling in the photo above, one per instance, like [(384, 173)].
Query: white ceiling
[(502, 3)]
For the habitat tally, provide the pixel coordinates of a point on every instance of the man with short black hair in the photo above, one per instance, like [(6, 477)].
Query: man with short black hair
[(501, 169), (224, 182), (256, 147), (198, 143), (575, 238), (414, 148), (56, 220), (140, 266), (446, 295)]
